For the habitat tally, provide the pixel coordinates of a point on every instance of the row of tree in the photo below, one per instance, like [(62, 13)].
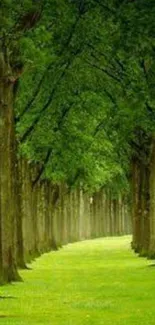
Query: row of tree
[(48, 216), (77, 102)]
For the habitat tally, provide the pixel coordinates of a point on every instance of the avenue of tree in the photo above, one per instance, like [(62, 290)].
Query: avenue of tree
[(77, 125)]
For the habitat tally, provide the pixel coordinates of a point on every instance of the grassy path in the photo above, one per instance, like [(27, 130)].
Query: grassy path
[(98, 282)]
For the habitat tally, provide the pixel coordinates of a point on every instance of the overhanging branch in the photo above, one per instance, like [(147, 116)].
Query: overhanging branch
[(50, 150), (107, 72), (36, 120)]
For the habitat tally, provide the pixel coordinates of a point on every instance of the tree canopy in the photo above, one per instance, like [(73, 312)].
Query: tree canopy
[(85, 93)]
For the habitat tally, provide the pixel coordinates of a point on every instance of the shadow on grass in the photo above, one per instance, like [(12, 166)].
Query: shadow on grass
[(7, 297), (151, 265)]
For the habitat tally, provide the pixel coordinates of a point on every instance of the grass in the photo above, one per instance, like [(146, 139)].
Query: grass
[(97, 282)]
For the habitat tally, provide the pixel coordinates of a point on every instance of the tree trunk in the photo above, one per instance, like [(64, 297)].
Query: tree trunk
[(7, 173), (136, 205), (19, 244), (151, 252)]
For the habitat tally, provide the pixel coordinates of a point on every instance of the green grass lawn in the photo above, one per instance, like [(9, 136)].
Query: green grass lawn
[(97, 282)]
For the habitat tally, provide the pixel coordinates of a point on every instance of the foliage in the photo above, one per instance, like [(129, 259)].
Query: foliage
[(87, 85)]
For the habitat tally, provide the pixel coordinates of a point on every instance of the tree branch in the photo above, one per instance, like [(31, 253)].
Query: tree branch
[(41, 171), (65, 46), (50, 150), (108, 73), (105, 7), (30, 103), (36, 120)]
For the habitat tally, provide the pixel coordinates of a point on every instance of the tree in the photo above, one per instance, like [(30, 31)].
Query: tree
[(21, 19)]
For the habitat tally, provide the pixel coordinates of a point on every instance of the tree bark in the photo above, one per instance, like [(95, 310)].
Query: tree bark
[(151, 251), (7, 172)]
